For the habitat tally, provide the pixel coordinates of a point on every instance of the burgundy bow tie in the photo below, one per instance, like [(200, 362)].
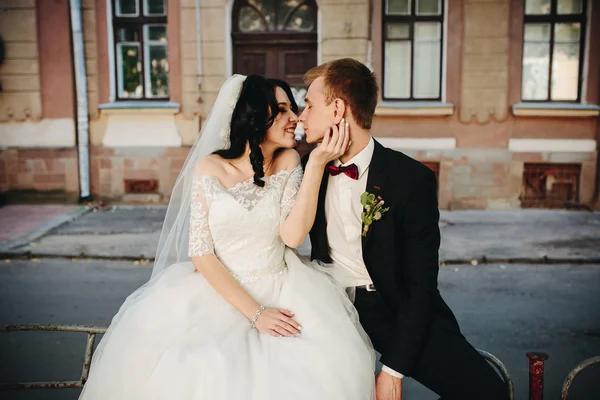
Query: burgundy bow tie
[(350, 170)]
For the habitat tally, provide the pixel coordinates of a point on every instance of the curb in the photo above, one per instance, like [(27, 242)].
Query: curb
[(43, 230), (16, 254)]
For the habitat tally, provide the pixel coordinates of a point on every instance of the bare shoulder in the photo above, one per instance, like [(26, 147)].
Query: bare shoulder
[(209, 165), (288, 159)]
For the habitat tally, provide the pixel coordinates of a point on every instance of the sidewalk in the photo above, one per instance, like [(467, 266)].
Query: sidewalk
[(131, 232), (22, 224)]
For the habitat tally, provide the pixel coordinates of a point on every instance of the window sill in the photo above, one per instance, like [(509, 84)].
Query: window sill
[(555, 110), (417, 108), (140, 107)]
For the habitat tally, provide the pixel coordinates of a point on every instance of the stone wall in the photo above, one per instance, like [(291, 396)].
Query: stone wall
[(19, 74)]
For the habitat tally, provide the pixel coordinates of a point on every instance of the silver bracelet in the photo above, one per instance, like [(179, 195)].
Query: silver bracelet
[(256, 315)]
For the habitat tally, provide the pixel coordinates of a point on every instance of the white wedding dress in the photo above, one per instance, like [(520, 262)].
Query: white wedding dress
[(176, 338)]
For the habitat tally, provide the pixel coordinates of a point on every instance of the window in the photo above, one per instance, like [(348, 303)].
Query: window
[(412, 49), (553, 44), (141, 53), (276, 38)]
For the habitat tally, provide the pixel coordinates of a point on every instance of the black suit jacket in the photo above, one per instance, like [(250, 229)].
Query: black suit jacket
[(400, 252)]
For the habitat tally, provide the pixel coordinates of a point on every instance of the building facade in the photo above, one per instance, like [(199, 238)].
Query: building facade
[(499, 97)]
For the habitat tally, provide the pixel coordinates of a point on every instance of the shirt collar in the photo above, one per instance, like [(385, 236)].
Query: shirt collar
[(362, 159)]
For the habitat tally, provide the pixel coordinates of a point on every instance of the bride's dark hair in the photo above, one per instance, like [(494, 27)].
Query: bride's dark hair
[(253, 115)]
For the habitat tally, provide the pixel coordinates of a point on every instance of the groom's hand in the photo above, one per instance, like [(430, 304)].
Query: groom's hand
[(388, 387)]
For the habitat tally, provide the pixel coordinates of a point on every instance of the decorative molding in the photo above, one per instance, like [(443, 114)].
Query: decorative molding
[(420, 108), (552, 145), (417, 143), (58, 132), (141, 128), (555, 110)]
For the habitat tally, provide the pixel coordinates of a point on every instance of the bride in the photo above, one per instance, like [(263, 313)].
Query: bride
[(231, 312)]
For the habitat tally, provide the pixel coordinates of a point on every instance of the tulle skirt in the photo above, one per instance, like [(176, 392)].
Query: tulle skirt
[(176, 338)]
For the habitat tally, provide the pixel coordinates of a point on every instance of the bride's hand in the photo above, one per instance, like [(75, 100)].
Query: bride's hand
[(277, 322), (335, 143)]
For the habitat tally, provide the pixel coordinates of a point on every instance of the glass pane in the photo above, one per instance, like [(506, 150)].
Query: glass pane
[(156, 32), (567, 33), (398, 6), (302, 19), (398, 31), (536, 68), (565, 72), (127, 7), (569, 7), (267, 8), (426, 79), (155, 7), (128, 71), (537, 32), (537, 7), (250, 20), (397, 70), (429, 7), (157, 67), (565, 62), (427, 31), (284, 8), (127, 35)]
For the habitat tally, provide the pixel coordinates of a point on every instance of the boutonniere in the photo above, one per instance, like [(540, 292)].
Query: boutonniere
[(372, 209)]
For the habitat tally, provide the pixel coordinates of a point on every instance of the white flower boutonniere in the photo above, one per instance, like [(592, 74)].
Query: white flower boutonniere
[(372, 209)]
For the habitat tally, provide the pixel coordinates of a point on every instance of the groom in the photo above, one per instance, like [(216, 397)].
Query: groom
[(393, 259)]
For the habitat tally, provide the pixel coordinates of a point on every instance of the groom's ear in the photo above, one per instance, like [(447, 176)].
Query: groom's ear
[(339, 110)]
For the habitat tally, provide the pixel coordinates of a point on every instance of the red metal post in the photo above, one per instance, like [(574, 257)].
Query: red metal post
[(536, 375)]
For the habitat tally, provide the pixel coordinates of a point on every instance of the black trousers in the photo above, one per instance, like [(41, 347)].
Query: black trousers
[(448, 364)]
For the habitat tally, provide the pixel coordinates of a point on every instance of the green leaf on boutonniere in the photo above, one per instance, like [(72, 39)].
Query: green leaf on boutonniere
[(372, 210)]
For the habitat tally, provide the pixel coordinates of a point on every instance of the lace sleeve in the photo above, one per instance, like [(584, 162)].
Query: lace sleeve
[(290, 191), (201, 242)]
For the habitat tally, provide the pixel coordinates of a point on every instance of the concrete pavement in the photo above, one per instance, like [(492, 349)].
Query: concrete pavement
[(494, 236)]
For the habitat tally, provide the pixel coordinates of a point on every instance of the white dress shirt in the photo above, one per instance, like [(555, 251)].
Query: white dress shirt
[(344, 225)]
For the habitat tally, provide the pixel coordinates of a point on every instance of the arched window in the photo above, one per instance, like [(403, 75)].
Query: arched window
[(276, 38)]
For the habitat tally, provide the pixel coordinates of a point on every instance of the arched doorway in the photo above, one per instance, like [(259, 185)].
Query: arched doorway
[(276, 38)]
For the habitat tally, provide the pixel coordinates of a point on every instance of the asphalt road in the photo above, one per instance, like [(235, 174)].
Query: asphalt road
[(507, 310)]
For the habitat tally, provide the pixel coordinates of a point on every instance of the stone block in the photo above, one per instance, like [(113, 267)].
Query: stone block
[(503, 204), (19, 25), (139, 198), (89, 25), (345, 21), (342, 47), (486, 63), (213, 49), (188, 51), (213, 24), (19, 67), (17, 4), (21, 107), (486, 19), (485, 46), (214, 67), (21, 84), (478, 80), (15, 50)]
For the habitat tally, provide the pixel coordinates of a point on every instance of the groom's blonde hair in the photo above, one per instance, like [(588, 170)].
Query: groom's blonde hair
[(351, 81)]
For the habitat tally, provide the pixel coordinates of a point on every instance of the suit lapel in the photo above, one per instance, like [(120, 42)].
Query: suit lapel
[(375, 183), (320, 221)]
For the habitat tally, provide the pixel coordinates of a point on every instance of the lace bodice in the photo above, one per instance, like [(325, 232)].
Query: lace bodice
[(240, 225)]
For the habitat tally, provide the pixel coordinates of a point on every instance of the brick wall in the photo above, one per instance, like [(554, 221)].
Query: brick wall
[(39, 170)]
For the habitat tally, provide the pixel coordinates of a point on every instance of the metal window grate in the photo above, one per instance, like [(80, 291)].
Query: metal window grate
[(550, 185), (141, 185)]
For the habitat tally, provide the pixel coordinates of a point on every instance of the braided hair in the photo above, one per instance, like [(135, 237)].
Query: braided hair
[(254, 113)]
